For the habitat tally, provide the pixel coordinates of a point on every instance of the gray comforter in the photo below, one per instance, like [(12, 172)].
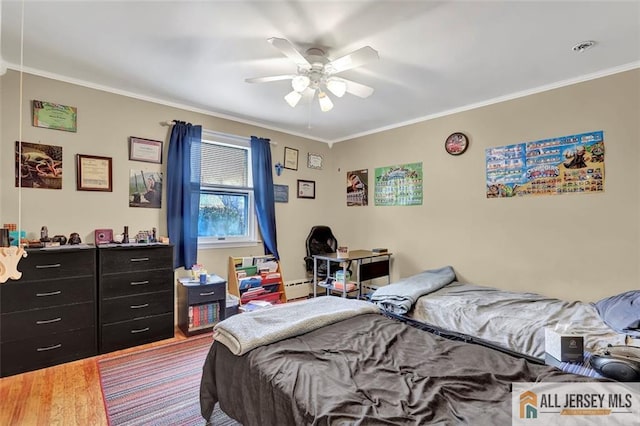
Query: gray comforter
[(400, 296), (512, 320), (367, 370)]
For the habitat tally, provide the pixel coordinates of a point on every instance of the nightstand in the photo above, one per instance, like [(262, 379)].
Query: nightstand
[(201, 306)]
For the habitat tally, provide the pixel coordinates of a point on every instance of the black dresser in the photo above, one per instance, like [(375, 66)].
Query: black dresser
[(48, 316), (135, 295)]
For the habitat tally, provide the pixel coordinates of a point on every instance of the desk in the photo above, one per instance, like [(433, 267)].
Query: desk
[(377, 266)]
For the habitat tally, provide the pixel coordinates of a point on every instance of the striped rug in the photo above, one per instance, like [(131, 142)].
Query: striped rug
[(158, 386)]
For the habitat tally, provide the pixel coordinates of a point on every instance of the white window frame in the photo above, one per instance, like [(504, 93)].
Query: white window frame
[(217, 138)]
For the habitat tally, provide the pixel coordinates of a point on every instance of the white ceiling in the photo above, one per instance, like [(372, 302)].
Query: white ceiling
[(436, 57)]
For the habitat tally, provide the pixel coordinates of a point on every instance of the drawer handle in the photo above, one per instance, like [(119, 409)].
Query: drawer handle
[(53, 293), (208, 293), (139, 259), (142, 330), (48, 321), (139, 306), (53, 265), (139, 282), (48, 348)]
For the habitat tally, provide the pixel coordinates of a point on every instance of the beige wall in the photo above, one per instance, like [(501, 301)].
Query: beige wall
[(574, 246), (581, 246), (105, 121)]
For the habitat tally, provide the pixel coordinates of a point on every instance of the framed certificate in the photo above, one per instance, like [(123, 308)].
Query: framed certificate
[(290, 158), (306, 189), (146, 150), (93, 173)]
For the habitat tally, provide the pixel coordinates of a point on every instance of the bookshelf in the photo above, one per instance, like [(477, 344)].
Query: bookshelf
[(272, 285)]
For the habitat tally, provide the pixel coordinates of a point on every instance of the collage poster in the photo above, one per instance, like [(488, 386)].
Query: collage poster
[(399, 185), (565, 164), (358, 188)]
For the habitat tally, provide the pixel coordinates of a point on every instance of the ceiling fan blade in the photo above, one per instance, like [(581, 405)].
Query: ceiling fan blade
[(352, 60), (269, 79), (358, 89), (289, 50)]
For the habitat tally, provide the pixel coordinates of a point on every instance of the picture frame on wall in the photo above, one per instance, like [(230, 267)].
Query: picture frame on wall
[(94, 173), (281, 193), (147, 150), (290, 158), (306, 189)]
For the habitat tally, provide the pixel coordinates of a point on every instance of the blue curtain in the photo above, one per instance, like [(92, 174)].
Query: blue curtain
[(263, 193), (183, 192)]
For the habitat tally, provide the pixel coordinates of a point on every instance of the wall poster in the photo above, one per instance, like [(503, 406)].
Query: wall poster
[(560, 165), (145, 189), (358, 188), (399, 185), (38, 165)]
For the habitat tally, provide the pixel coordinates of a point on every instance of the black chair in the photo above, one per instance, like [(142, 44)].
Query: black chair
[(320, 241)]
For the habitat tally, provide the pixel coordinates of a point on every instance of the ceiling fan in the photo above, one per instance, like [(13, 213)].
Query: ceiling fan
[(317, 74)]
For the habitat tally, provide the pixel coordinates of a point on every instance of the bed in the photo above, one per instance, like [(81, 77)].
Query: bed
[(331, 360), (513, 321)]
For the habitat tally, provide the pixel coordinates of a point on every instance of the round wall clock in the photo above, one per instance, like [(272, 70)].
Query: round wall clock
[(456, 143)]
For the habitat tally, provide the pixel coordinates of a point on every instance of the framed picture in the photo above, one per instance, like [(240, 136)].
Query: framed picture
[(93, 173), (290, 158), (146, 150), (306, 189), (314, 161), (55, 116), (281, 193)]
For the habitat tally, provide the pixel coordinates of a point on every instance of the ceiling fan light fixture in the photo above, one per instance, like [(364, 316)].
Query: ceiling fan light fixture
[(325, 102), (293, 98), (337, 87), (300, 83)]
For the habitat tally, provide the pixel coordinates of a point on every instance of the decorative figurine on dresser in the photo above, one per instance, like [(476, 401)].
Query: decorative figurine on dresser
[(135, 294), (48, 315)]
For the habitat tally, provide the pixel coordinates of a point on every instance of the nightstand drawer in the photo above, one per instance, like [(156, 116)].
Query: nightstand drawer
[(205, 293), (137, 332), (55, 263), (42, 322), (21, 296), (117, 260), (138, 306), (33, 353), (115, 285)]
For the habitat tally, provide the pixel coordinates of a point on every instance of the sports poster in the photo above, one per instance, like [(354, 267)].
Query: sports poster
[(566, 164), (358, 188), (399, 185)]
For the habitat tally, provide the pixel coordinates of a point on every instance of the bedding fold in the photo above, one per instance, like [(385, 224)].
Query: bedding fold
[(400, 296), (244, 332)]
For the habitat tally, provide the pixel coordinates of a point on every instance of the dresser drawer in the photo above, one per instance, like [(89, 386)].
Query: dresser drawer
[(114, 285), (131, 307), (116, 260), (38, 352), (136, 332), (21, 296), (41, 322), (205, 293), (57, 263)]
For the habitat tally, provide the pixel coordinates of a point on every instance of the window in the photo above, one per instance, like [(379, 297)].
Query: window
[(226, 196)]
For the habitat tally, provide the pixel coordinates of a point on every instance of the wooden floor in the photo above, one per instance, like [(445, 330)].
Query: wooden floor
[(67, 394)]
